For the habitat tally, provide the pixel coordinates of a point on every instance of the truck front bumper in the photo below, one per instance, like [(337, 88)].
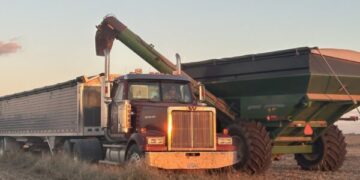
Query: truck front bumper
[(190, 160)]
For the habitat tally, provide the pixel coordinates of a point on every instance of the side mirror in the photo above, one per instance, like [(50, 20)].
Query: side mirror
[(107, 100), (201, 92)]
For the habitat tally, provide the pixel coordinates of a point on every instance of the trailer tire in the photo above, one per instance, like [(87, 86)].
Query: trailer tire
[(330, 155), (254, 147), (87, 150), (134, 155), (67, 148), (8, 144), (2, 147)]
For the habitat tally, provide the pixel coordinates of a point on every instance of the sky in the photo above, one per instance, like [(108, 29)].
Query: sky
[(45, 42)]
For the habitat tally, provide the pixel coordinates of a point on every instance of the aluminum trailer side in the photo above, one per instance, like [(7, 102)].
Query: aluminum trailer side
[(71, 108)]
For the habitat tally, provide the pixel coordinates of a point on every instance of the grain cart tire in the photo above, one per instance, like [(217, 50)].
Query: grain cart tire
[(253, 145), (134, 155), (330, 151), (87, 150)]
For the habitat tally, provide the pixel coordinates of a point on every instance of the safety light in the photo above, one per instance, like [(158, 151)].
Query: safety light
[(225, 131), (308, 130), (272, 117), (155, 140), (225, 140), (143, 130)]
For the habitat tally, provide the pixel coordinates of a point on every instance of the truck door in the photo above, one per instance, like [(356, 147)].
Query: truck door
[(120, 112)]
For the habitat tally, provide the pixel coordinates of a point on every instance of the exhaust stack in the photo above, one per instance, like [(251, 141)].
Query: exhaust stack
[(107, 76), (178, 64)]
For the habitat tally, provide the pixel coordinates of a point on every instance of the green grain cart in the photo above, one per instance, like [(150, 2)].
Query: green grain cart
[(283, 102), (296, 94)]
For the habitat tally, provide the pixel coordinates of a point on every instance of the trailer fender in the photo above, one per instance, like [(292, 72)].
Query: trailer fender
[(87, 149)]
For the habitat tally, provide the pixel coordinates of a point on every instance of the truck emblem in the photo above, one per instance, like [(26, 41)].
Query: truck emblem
[(150, 117), (192, 108)]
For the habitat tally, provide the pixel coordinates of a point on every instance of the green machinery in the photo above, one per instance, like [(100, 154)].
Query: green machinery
[(286, 90), (291, 97)]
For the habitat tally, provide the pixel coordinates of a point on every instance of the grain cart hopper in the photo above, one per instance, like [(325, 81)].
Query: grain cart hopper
[(297, 94)]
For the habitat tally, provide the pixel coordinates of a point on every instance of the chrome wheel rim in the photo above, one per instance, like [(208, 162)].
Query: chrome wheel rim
[(75, 157), (134, 158)]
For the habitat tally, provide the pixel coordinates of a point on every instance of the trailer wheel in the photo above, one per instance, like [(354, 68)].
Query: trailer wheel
[(330, 151), (8, 144), (2, 147), (134, 155), (67, 148), (87, 150), (253, 145)]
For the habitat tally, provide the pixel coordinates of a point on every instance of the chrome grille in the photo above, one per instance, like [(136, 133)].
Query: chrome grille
[(192, 130)]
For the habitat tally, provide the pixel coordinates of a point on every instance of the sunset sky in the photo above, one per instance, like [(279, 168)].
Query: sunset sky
[(46, 42)]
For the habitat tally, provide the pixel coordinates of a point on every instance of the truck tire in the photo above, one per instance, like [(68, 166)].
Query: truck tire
[(330, 151), (253, 145), (87, 150), (134, 155)]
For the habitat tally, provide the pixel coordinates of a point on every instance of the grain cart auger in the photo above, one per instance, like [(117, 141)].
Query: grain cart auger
[(111, 29)]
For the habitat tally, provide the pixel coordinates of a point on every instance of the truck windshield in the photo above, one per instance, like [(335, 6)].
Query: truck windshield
[(176, 92), (170, 92)]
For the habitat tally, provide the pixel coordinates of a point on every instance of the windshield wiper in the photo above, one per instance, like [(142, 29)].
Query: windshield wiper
[(145, 99), (183, 101), (176, 101)]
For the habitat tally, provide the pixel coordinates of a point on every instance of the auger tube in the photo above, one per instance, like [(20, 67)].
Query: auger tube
[(111, 28)]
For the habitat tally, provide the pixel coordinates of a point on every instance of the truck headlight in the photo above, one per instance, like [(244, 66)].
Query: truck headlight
[(225, 140), (155, 140)]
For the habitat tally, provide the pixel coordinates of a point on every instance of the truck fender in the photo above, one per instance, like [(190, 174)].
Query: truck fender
[(137, 139)]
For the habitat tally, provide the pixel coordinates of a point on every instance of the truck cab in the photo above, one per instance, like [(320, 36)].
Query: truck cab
[(156, 117)]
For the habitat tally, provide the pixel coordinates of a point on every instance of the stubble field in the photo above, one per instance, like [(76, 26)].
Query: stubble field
[(29, 166)]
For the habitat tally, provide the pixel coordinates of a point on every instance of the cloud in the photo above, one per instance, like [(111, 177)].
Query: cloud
[(9, 47)]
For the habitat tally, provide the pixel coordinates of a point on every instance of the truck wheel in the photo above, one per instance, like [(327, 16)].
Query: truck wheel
[(87, 150), (253, 145), (330, 151), (134, 155)]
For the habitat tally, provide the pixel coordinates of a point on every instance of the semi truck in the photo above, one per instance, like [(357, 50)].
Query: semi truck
[(253, 107), (116, 119), (155, 116)]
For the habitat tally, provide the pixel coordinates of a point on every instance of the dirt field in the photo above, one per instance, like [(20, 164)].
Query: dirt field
[(27, 166)]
